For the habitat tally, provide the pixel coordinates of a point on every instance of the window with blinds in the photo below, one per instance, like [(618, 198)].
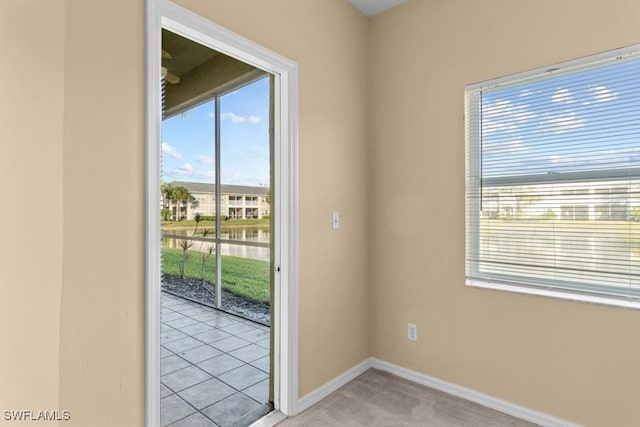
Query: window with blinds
[(553, 180)]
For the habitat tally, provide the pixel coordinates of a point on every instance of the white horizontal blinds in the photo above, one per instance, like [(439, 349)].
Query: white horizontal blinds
[(553, 179)]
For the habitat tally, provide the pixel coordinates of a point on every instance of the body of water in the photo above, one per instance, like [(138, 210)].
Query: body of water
[(580, 252), (244, 234)]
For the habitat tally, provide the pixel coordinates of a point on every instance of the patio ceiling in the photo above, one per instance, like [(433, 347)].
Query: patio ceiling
[(196, 73)]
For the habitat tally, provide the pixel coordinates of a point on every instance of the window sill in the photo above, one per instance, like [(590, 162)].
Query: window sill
[(630, 303)]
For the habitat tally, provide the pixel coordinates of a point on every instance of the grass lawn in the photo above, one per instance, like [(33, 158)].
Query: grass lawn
[(243, 276)]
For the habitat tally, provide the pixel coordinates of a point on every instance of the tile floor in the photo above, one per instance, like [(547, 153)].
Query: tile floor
[(214, 366)]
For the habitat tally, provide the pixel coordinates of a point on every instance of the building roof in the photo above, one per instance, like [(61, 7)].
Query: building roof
[(205, 187)]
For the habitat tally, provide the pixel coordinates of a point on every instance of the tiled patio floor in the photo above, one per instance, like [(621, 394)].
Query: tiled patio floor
[(214, 366)]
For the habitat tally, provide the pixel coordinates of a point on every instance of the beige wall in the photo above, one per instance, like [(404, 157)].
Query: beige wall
[(328, 41), (571, 360), (380, 110), (79, 346), (31, 77), (102, 313)]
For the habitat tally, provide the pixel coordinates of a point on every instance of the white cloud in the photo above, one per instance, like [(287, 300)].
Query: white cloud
[(523, 115), (603, 94), (170, 151), (242, 179), (505, 116), (563, 95), (205, 176), (186, 167), (201, 158), (490, 126), (173, 173), (235, 118), (561, 122)]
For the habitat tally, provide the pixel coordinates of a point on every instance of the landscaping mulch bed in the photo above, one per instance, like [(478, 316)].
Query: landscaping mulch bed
[(192, 289)]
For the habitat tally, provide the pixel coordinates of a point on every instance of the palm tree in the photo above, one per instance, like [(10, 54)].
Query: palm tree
[(180, 194), (167, 196)]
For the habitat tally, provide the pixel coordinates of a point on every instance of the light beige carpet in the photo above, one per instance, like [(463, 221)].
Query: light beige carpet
[(377, 398)]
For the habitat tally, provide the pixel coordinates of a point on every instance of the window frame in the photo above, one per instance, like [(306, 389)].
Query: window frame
[(473, 179)]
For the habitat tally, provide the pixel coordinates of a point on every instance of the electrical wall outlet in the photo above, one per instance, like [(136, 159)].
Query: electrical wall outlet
[(412, 332)]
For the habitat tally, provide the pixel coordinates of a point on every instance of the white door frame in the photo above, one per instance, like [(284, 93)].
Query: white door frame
[(164, 14)]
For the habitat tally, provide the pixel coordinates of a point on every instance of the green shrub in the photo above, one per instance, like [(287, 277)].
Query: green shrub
[(166, 214), (213, 218)]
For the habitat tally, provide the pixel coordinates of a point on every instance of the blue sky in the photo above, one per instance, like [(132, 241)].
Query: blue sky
[(563, 124), (188, 140)]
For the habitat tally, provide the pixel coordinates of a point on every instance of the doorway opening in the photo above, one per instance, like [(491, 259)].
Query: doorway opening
[(272, 203), (216, 283)]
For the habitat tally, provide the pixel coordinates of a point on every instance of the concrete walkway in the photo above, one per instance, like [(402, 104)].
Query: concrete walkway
[(214, 366)]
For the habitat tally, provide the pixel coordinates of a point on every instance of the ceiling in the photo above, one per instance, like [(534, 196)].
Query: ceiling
[(195, 73), (373, 7), (184, 54)]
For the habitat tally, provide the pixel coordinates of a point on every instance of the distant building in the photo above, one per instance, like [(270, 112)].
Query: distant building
[(237, 201), (585, 201)]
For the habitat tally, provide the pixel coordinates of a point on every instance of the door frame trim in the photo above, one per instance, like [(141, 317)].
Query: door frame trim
[(165, 14)]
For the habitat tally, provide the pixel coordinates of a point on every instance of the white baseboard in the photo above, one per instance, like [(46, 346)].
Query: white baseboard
[(325, 390), (471, 395)]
